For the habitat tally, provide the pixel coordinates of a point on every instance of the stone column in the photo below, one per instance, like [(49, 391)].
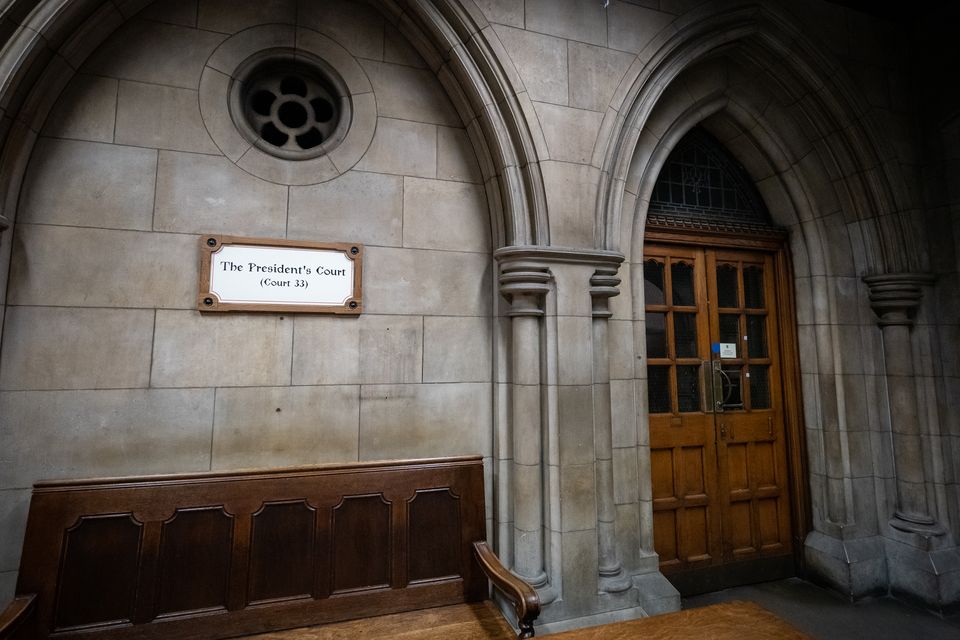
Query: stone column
[(525, 285), (603, 286), (894, 298)]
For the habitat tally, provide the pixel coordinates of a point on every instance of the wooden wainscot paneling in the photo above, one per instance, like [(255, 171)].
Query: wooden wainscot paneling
[(361, 543), (219, 555), (283, 552), (435, 545), (195, 557), (98, 579)]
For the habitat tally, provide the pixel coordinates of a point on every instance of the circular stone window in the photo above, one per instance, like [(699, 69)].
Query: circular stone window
[(291, 106), (287, 104)]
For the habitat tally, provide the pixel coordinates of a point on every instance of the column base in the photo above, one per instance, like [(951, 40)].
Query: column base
[(540, 582), (547, 594), (856, 567), (614, 580), (648, 594), (929, 577), (657, 595), (590, 621), (920, 525)]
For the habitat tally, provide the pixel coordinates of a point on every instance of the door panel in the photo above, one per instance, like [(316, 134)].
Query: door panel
[(681, 433), (717, 440)]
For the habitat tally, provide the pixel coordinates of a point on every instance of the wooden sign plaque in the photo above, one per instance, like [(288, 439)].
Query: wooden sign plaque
[(280, 276)]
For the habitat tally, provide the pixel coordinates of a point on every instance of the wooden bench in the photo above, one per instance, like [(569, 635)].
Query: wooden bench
[(222, 555)]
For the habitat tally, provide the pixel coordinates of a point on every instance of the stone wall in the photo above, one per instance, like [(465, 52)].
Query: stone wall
[(107, 367)]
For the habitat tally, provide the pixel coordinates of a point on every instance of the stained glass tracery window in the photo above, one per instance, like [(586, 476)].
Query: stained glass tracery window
[(701, 181)]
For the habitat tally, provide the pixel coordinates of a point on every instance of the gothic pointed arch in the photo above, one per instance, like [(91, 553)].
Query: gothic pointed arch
[(824, 110), (47, 41)]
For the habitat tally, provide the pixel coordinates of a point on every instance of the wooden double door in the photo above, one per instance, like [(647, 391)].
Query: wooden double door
[(719, 464)]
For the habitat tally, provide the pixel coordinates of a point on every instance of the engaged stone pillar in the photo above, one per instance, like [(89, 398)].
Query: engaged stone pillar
[(894, 298), (525, 286), (603, 286)]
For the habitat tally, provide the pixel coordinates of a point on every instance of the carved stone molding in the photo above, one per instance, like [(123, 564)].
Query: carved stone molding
[(525, 286), (525, 274), (894, 297), (604, 284), (546, 255)]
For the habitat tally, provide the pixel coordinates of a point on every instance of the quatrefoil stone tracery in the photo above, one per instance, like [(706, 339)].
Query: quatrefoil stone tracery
[(290, 111)]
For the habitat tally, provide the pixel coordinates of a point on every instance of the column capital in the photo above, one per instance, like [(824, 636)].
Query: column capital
[(894, 297), (525, 273), (604, 284), (524, 284)]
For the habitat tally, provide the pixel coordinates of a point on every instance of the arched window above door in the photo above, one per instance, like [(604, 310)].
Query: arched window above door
[(702, 185)]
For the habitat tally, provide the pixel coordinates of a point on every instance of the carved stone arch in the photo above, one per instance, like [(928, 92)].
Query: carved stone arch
[(796, 123), (760, 149), (824, 109), (461, 47), (48, 40)]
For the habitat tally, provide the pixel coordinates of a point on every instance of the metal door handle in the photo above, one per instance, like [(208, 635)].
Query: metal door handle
[(716, 386), (727, 385), (723, 431)]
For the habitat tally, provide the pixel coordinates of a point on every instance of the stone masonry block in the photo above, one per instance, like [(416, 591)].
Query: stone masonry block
[(89, 184), (595, 73), (410, 94), (154, 52), (573, 19), (150, 115), (229, 16), (207, 194), (85, 111), (391, 349), (456, 159), (14, 504), (425, 420), (541, 61), (578, 493), (124, 268), (76, 434), (631, 27), (457, 349), (438, 214), (403, 148), (326, 350), (70, 348), (409, 281), (570, 133), (285, 426), (202, 350), (576, 424), (356, 207), (356, 26)]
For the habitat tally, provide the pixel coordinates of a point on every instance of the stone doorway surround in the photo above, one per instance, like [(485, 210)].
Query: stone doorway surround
[(878, 518)]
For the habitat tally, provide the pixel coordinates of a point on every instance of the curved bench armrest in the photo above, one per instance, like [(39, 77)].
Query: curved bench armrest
[(16, 618), (524, 597)]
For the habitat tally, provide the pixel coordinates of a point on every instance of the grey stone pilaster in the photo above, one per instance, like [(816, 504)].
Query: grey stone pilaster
[(525, 285), (923, 561), (603, 286), (894, 298)]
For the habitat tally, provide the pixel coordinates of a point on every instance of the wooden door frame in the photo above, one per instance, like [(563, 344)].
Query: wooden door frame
[(773, 241)]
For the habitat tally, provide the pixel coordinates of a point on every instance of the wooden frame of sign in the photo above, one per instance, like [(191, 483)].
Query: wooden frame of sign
[(280, 276)]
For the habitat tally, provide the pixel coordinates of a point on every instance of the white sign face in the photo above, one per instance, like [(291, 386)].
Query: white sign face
[(255, 276), (728, 349)]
